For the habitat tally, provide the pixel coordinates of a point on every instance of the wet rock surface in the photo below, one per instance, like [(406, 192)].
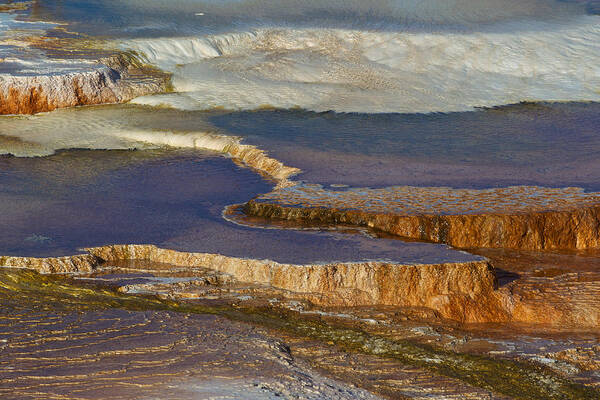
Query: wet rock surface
[(530, 293), (130, 355), (397, 319), (126, 345), (549, 288)]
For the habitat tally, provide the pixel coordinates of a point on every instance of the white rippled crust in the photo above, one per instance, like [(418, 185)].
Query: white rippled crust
[(380, 71)]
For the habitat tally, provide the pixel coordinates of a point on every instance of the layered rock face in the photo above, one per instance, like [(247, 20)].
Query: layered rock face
[(116, 82), (460, 291), (465, 292), (518, 218), (53, 265), (570, 300), (455, 290), (549, 288)]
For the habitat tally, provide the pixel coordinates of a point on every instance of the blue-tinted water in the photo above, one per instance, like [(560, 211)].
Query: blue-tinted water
[(55, 205), (552, 145), (135, 18), (405, 80)]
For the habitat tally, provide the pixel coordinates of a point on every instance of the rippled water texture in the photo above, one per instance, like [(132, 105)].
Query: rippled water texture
[(554, 145)]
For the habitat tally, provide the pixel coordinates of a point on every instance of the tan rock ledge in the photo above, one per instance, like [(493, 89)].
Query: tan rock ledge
[(461, 291), (465, 292), (521, 217), (53, 265)]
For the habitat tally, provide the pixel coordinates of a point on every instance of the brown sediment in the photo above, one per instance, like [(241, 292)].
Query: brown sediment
[(16, 6), (118, 81), (562, 290), (527, 218), (89, 319), (587, 359), (570, 300), (386, 377), (51, 351)]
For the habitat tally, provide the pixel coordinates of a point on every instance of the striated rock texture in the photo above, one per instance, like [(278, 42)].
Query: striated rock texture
[(118, 81), (569, 228), (78, 351), (586, 359), (549, 288), (465, 292), (460, 291), (53, 265), (455, 290), (569, 300)]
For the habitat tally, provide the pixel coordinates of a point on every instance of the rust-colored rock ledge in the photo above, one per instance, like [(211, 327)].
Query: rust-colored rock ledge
[(115, 80), (575, 229)]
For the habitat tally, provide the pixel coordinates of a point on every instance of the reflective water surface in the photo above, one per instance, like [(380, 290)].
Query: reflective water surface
[(173, 198), (553, 145)]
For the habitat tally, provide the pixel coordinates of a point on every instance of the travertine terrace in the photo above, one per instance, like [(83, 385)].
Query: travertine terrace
[(458, 291), (520, 217), (254, 198), (113, 80)]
